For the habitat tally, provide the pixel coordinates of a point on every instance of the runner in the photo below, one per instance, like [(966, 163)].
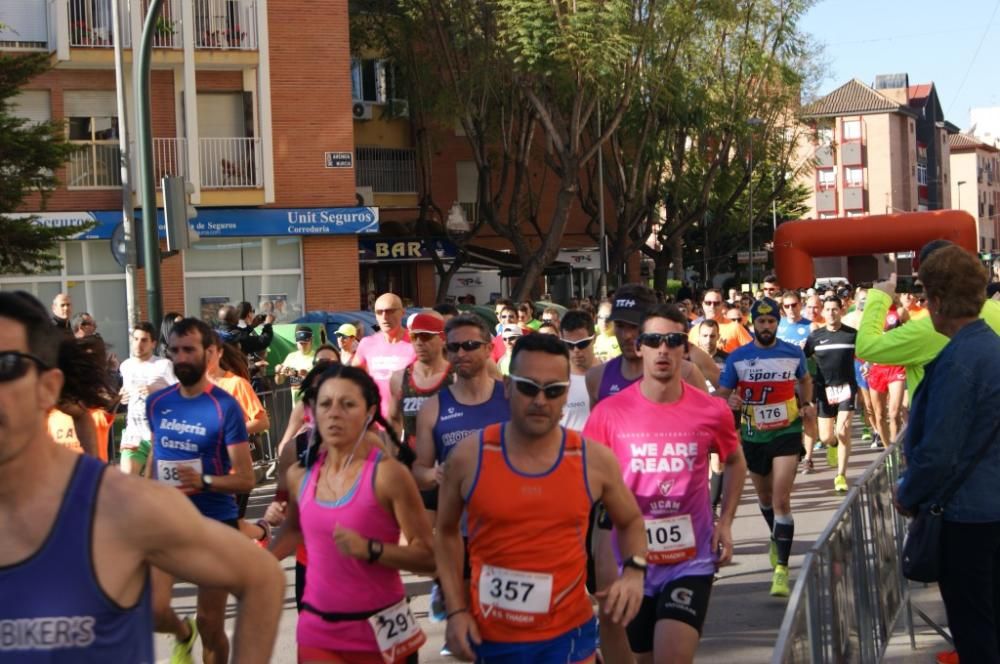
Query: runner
[(662, 433), (142, 374), (350, 504), (425, 377), (853, 319), (386, 351), (795, 329), (732, 334), (766, 373), (835, 387), (708, 341), (510, 334), (527, 486), (200, 447), (606, 344), (79, 542), (887, 386), (578, 335)]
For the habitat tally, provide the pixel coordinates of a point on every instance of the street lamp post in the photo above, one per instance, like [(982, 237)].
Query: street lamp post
[(958, 185), (754, 123)]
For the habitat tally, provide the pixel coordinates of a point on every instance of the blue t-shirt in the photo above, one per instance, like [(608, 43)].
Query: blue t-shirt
[(196, 432), (794, 333)]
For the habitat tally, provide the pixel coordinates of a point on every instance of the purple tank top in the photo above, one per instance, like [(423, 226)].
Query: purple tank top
[(338, 584), (612, 380)]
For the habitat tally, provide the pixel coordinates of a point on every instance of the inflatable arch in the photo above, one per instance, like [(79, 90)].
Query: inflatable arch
[(796, 243)]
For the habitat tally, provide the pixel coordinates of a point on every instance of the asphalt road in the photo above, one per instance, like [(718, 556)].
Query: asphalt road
[(743, 619)]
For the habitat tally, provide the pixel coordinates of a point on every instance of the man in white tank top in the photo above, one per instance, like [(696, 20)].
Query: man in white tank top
[(578, 335)]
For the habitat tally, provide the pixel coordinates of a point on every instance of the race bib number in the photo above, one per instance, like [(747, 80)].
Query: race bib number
[(670, 540), (168, 472), (837, 394), (771, 416), (514, 595), (397, 632)]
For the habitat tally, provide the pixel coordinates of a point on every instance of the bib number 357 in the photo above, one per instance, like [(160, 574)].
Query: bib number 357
[(514, 591), (397, 632)]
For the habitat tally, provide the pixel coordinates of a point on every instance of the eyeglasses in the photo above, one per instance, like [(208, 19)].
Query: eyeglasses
[(655, 340), (423, 336), (14, 364), (530, 388), (578, 345), (713, 303), (385, 312), (468, 346)]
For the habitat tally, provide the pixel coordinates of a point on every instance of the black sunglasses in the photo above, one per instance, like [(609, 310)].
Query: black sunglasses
[(467, 346), (655, 340), (14, 364), (578, 345), (530, 388)]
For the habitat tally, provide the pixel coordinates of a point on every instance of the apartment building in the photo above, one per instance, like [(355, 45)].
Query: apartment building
[(975, 185), (251, 103), (870, 159)]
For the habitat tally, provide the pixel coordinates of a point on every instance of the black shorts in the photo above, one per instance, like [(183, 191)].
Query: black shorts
[(825, 409), (232, 523), (760, 456), (684, 599), (430, 498)]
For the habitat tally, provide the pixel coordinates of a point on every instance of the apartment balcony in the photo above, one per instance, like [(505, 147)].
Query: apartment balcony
[(825, 156), (226, 163), (852, 153), (854, 198), (826, 200)]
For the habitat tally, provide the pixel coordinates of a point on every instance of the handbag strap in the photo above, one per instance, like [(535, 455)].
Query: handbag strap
[(957, 482)]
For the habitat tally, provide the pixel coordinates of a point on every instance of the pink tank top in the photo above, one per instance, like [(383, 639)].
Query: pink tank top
[(335, 583)]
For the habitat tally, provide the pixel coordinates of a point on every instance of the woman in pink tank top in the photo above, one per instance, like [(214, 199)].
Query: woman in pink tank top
[(349, 502)]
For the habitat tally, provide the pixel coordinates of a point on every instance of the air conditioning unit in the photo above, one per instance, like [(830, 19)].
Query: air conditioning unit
[(362, 111), (366, 196), (400, 108)]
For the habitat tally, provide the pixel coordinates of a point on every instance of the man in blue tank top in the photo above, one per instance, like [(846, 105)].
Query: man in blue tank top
[(200, 449), (79, 542)]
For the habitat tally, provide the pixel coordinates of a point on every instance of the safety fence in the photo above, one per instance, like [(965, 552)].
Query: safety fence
[(850, 591)]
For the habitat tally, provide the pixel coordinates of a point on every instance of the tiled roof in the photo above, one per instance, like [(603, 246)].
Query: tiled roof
[(854, 97), (917, 94), (962, 142)]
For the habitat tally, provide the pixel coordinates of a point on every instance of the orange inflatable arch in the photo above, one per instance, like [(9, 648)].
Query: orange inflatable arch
[(796, 243)]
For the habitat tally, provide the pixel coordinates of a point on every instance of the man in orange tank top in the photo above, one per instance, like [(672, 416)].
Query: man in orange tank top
[(527, 487)]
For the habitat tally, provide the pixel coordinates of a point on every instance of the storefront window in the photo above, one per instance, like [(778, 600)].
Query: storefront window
[(264, 271)]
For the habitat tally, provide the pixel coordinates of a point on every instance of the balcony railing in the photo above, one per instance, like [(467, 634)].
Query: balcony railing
[(387, 170), (225, 24), (24, 24), (226, 163)]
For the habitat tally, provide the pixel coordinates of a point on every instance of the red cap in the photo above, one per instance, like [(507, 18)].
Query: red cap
[(426, 323)]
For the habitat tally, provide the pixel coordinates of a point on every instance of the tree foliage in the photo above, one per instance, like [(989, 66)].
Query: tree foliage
[(29, 156)]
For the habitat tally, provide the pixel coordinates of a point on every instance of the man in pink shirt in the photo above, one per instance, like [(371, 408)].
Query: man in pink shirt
[(387, 351), (663, 433)]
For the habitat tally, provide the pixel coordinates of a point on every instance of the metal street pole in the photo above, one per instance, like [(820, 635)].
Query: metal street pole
[(958, 185), (144, 129), (754, 123), (128, 213), (602, 281)]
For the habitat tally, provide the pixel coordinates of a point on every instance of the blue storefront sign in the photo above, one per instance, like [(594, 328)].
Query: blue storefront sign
[(234, 222)]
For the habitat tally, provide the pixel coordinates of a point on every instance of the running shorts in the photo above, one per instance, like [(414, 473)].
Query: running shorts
[(576, 645), (859, 377), (826, 409), (139, 454), (760, 456), (684, 599), (881, 375)]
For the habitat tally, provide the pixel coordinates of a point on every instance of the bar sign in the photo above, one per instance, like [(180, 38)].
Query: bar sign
[(339, 159)]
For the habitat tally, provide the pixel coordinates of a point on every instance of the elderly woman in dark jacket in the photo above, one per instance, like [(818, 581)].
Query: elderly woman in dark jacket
[(952, 437)]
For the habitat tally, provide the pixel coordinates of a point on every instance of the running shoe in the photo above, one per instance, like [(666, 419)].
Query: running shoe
[(779, 582), (772, 553), (264, 541), (438, 613), (808, 466), (840, 484), (818, 446), (947, 657), (866, 433), (445, 652), (181, 653), (831, 455)]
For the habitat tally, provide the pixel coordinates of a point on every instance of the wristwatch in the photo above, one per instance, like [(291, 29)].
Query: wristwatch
[(206, 480), (636, 562)]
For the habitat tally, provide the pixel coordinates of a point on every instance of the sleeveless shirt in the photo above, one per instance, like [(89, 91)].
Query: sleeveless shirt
[(415, 396), (456, 420), (612, 380)]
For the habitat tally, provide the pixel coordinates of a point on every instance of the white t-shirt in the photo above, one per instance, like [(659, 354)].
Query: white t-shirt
[(577, 408), (140, 379)]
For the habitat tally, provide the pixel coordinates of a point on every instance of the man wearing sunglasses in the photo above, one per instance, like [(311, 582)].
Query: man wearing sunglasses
[(578, 335), (80, 541), (768, 382), (732, 334), (527, 486), (663, 432)]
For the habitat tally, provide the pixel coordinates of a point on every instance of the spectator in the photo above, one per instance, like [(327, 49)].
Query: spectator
[(165, 327), (243, 337), (62, 311), (526, 316), (297, 363), (83, 325), (347, 339), (550, 315)]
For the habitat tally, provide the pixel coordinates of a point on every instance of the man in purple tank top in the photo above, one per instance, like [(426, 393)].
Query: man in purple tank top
[(628, 306), (79, 542)]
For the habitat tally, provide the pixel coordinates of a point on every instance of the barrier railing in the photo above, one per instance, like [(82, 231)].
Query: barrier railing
[(850, 590)]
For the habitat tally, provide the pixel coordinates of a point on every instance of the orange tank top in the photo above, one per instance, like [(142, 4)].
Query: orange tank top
[(527, 543)]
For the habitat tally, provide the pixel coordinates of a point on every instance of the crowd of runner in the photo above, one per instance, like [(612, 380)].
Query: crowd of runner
[(568, 477)]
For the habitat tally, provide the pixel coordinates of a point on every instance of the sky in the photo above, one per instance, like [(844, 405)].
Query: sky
[(955, 44)]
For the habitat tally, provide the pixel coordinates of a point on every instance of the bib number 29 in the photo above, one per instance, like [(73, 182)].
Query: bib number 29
[(397, 632)]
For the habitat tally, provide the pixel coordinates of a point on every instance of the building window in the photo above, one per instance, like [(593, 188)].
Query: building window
[(826, 178), (386, 170), (854, 177), (852, 130), (375, 81), (824, 135), (855, 213), (922, 174), (267, 272), (827, 215), (92, 124)]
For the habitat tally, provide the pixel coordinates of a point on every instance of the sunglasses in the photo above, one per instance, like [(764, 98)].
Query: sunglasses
[(467, 346), (713, 303), (13, 365), (655, 340), (530, 388), (578, 345), (789, 305)]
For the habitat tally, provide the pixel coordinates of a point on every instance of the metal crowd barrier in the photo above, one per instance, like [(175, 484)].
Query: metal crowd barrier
[(850, 590), (278, 403)]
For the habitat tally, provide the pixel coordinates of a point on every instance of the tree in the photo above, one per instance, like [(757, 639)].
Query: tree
[(29, 157)]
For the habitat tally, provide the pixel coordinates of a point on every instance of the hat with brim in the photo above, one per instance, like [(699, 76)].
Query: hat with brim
[(425, 323), (627, 310), (510, 331), (347, 330)]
